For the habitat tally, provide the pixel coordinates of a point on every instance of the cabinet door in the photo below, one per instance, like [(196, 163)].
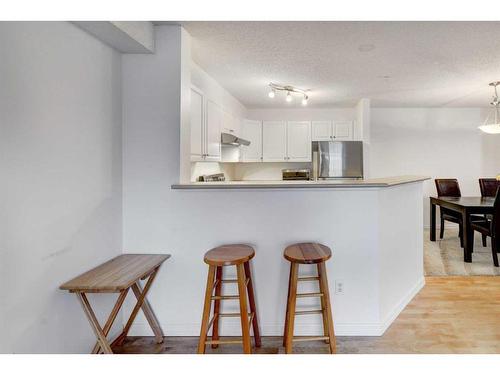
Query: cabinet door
[(237, 123), (299, 141), (227, 123), (343, 131), (213, 130), (196, 125), (251, 131), (322, 131), (273, 141)]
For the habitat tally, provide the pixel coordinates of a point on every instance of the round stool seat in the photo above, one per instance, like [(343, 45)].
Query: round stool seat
[(307, 253), (229, 255)]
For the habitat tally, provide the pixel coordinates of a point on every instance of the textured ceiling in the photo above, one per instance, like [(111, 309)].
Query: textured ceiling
[(396, 64)]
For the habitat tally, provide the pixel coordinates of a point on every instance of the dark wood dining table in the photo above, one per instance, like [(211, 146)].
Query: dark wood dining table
[(466, 206)]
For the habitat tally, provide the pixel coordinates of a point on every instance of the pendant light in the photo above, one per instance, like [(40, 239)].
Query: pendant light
[(493, 126)]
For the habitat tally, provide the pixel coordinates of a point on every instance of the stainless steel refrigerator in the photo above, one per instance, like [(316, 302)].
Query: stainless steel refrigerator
[(339, 159)]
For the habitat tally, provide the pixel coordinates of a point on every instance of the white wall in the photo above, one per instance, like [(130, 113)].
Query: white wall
[(302, 114), (124, 36), (215, 92), (436, 142), (60, 147), (400, 254)]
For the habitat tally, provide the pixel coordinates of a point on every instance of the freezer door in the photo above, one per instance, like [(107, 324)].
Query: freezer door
[(340, 159)]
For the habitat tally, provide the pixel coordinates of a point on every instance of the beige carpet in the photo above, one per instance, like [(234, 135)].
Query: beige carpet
[(446, 258)]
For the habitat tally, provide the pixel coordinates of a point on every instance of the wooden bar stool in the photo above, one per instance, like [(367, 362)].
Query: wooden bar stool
[(217, 258), (308, 253)]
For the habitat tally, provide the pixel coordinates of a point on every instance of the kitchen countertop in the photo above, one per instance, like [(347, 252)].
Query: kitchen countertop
[(347, 183)]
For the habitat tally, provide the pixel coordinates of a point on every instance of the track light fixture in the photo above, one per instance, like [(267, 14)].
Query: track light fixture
[(289, 91)]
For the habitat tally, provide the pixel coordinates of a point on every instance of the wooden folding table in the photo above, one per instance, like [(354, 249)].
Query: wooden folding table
[(118, 275)]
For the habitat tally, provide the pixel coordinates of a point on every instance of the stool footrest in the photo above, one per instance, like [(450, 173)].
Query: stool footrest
[(222, 342), (306, 295), (230, 315), (234, 281), (306, 312), (312, 338), (308, 278), (225, 297)]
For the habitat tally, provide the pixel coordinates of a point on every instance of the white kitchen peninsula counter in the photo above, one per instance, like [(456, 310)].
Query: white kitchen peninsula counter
[(374, 228), (340, 183)]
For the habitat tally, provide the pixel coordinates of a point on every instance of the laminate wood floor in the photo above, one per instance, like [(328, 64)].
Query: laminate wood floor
[(449, 315)]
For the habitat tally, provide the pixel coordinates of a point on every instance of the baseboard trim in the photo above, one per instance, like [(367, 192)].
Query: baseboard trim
[(401, 305), (341, 329), (234, 329)]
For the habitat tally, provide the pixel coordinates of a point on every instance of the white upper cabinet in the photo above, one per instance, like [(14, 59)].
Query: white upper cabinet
[(298, 141), (197, 114), (321, 130), (237, 123), (343, 131), (251, 131), (332, 131), (274, 142), (213, 131), (230, 124)]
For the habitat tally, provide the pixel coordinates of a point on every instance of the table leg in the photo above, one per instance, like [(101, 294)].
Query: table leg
[(433, 222), (468, 235), (94, 323), (148, 312), (140, 301), (111, 319)]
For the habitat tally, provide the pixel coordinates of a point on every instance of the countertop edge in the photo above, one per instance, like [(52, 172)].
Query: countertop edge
[(279, 185)]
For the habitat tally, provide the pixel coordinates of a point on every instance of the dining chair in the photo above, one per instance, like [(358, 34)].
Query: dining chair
[(490, 228), (448, 187), (488, 186)]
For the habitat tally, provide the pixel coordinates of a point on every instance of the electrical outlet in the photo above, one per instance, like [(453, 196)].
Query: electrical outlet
[(339, 286)]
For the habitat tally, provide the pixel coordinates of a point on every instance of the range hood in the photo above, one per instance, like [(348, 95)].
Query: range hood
[(232, 140)]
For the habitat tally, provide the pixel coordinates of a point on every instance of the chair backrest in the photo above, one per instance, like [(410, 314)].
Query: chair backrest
[(447, 187), (488, 186)]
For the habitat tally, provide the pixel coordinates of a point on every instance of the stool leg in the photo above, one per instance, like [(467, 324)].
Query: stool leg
[(323, 279), (287, 307), (206, 310), (217, 303), (323, 305), (251, 302), (292, 297), (245, 329)]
